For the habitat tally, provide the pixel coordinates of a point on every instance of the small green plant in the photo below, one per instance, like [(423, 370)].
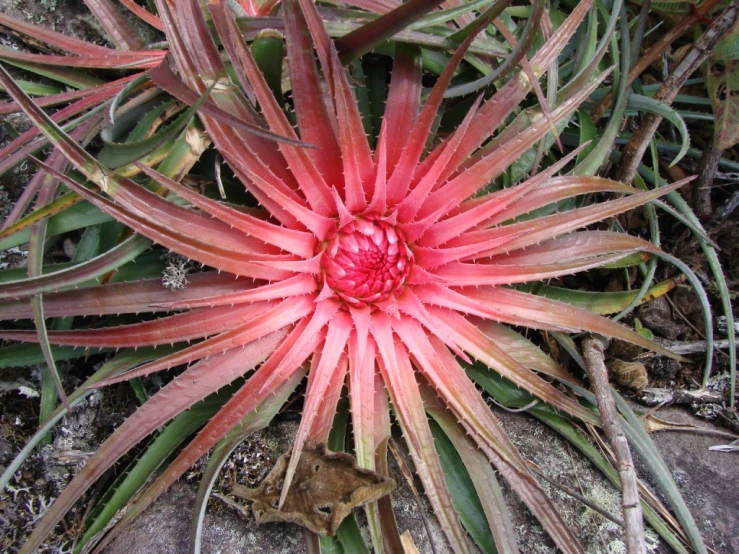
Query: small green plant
[(643, 331)]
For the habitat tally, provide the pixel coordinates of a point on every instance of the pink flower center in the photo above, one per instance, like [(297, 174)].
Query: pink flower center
[(366, 261)]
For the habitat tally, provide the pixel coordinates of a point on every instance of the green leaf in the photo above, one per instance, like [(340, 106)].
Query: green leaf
[(511, 63), (439, 17), (510, 396), (267, 50), (620, 59), (604, 302), (122, 361), (36, 89), (363, 102), (350, 536), (74, 217), (65, 75), (118, 154), (253, 421), (23, 355), (587, 134), (78, 274), (643, 331), (464, 495), (644, 103), (330, 545), (155, 454), (647, 450)]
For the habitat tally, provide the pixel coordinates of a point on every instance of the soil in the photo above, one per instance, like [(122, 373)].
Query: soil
[(707, 479)]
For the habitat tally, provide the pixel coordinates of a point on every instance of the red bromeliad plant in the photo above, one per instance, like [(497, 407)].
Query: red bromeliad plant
[(386, 271)]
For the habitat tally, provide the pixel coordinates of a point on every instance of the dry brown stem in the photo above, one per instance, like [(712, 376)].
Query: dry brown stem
[(702, 187), (594, 355), (692, 347), (698, 53), (656, 50)]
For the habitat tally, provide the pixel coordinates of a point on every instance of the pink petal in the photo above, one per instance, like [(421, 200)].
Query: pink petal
[(378, 204), (296, 242), (473, 178), (314, 122), (132, 297), (491, 354), (410, 206), (402, 387), (355, 152), (478, 210), (261, 323), (319, 382), (405, 168), (292, 286), (311, 182), (167, 330), (495, 111), (403, 102)]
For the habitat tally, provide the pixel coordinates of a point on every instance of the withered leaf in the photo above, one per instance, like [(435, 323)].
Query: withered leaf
[(327, 486), (723, 88)]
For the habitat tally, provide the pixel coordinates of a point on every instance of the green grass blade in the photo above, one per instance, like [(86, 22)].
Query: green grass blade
[(647, 450), (65, 75), (36, 89), (23, 355), (647, 104), (119, 154), (465, 498), (363, 39), (111, 260)]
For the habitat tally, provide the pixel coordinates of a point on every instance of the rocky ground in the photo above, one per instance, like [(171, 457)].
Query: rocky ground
[(706, 479)]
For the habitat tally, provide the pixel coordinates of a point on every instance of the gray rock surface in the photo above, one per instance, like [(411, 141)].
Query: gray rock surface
[(706, 479), (709, 481)]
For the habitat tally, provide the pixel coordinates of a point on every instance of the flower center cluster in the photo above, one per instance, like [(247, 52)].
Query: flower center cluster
[(366, 261)]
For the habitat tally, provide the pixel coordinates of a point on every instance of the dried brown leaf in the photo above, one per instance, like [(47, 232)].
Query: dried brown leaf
[(327, 486)]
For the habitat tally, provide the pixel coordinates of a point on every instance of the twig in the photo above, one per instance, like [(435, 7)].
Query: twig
[(682, 316), (594, 355), (702, 187), (698, 53), (312, 542), (242, 510), (643, 61), (731, 204), (668, 397), (691, 347)]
